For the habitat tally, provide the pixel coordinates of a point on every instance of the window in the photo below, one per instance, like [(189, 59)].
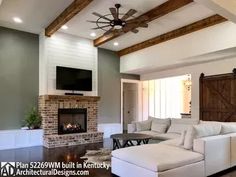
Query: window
[(164, 98)]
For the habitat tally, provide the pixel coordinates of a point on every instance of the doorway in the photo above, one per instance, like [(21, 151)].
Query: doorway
[(130, 102)]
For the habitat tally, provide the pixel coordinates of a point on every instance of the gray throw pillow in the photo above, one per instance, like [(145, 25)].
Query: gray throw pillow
[(160, 128), (143, 126)]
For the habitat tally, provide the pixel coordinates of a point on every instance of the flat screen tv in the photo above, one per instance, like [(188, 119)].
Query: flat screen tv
[(73, 79)]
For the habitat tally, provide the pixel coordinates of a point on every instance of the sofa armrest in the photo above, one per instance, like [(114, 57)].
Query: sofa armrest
[(131, 128), (216, 150), (233, 149)]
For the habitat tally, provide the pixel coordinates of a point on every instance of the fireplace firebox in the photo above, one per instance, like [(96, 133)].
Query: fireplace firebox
[(72, 121)]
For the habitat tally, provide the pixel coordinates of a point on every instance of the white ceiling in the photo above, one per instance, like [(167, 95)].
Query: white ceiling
[(181, 17), (37, 14)]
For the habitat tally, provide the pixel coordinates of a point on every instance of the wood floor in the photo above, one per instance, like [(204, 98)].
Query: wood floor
[(68, 154)]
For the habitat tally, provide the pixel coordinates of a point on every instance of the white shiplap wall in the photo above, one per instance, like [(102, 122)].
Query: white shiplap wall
[(69, 51)]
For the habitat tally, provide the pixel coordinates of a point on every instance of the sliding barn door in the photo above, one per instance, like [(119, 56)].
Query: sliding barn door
[(218, 98)]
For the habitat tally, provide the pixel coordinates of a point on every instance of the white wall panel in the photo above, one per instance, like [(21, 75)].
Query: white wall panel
[(68, 51)]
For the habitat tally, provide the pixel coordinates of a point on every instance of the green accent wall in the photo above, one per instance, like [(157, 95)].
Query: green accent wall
[(19, 76), (109, 78)]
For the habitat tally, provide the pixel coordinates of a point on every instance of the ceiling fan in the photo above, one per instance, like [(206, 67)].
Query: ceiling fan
[(115, 23)]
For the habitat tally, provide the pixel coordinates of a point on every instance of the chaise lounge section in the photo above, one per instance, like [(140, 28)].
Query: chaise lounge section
[(208, 148)]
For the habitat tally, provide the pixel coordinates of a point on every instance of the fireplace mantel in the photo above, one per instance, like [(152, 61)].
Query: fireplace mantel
[(70, 97), (48, 109)]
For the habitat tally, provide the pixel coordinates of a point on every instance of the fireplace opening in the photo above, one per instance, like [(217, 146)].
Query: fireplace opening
[(72, 121)]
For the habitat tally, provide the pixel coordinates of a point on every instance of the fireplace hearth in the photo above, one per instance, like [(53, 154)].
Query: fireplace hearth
[(72, 121)]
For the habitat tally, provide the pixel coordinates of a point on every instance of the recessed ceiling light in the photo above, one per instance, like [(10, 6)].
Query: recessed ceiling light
[(115, 43), (64, 27), (17, 20), (93, 34)]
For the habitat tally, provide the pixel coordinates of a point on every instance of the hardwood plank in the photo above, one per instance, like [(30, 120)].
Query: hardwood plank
[(73, 9), (207, 22), (151, 15)]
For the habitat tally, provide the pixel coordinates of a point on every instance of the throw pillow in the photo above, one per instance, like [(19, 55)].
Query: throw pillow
[(144, 125), (182, 137), (160, 128), (228, 128), (189, 137)]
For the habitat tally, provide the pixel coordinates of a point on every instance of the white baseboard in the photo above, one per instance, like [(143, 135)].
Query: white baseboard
[(109, 129), (13, 139)]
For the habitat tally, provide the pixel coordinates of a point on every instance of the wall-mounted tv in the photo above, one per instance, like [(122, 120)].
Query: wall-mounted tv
[(73, 79)]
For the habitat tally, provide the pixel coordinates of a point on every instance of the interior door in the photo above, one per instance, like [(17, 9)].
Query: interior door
[(129, 104), (218, 97)]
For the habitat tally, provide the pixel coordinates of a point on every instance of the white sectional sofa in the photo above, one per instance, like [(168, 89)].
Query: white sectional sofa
[(162, 129), (206, 149)]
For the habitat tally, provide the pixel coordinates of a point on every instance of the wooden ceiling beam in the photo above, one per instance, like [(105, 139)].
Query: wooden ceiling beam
[(151, 15), (201, 24), (73, 9)]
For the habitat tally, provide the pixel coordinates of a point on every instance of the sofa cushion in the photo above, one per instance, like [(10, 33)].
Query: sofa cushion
[(204, 130), (144, 125), (186, 121), (178, 125), (157, 157), (172, 142), (161, 136), (182, 138), (198, 131), (161, 121), (177, 128), (208, 122), (227, 128), (160, 128), (189, 137)]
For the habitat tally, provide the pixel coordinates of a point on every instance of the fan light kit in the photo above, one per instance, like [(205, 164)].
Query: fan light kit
[(114, 23)]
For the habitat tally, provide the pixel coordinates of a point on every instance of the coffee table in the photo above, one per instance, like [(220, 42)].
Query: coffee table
[(127, 139)]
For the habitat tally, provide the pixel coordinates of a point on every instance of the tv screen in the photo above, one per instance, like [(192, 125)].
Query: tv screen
[(73, 79)]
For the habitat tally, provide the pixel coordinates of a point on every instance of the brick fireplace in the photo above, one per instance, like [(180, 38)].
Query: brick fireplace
[(69, 120)]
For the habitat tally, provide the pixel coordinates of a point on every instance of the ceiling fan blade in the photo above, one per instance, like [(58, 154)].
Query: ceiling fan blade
[(143, 25), (129, 14), (99, 15), (134, 30), (100, 27), (98, 22), (142, 19), (114, 13), (129, 27)]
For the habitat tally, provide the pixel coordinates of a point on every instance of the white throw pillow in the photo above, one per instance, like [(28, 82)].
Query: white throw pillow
[(189, 137), (228, 128), (143, 126), (160, 128), (177, 128), (182, 138)]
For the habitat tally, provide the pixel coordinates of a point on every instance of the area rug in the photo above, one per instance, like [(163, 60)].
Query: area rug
[(98, 156)]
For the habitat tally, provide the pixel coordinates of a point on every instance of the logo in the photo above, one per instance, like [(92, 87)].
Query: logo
[(7, 168)]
